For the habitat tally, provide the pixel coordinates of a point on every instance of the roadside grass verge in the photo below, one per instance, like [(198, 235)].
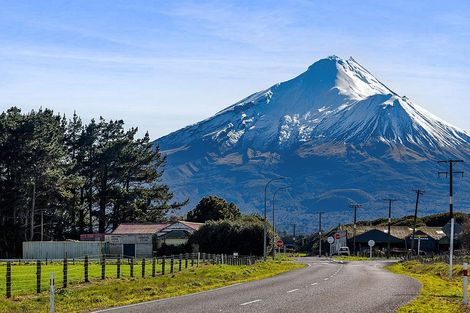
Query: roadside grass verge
[(113, 292), (438, 293)]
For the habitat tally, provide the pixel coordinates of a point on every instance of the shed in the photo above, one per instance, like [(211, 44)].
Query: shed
[(177, 233), (134, 240), (60, 249)]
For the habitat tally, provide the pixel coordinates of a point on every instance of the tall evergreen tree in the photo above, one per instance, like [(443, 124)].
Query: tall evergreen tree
[(75, 176)]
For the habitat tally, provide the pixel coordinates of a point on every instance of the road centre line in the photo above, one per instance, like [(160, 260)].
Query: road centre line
[(293, 290), (314, 284), (251, 302)]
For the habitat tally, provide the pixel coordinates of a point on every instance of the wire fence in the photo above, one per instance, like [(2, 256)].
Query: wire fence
[(20, 277), (458, 259)]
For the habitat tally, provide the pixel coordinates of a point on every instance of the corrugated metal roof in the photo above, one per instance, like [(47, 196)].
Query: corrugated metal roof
[(139, 229), (192, 225), (400, 232)]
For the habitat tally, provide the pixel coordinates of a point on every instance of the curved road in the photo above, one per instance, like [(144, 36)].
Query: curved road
[(321, 287)]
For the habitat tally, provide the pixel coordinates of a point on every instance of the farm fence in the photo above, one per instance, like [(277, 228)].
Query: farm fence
[(22, 277)]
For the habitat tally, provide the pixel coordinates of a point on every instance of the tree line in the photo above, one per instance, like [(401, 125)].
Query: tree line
[(61, 177)]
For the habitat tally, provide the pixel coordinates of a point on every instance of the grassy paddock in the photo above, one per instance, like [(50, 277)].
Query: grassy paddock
[(23, 274), (438, 293), (81, 297)]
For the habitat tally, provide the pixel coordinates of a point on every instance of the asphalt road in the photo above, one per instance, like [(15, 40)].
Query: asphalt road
[(321, 287)]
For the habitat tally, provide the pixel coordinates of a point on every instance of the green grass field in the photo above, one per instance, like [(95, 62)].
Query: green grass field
[(23, 275), (83, 297), (438, 293)]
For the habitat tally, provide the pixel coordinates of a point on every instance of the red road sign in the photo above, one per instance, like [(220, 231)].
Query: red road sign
[(337, 236), (280, 243)]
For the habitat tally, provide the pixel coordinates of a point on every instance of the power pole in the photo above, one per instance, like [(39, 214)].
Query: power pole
[(42, 225), (274, 230), (319, 232), (354, 206), (418, 194), (293, 237), (265, 231), (33, 206), (450, 174), (390, 202)]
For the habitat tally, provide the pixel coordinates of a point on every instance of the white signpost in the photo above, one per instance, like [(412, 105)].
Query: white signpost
[(331, 240), (371, 244)]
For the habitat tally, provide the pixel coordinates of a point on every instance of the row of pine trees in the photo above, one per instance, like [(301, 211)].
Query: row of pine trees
[(61, 177)]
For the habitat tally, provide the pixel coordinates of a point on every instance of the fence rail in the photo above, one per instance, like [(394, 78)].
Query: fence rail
[(21, 277)]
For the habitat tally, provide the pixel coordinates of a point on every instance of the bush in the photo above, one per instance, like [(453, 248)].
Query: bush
[(243, 235)]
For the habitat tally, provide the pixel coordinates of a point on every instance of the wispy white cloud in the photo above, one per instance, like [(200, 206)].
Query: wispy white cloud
[(160, 57)]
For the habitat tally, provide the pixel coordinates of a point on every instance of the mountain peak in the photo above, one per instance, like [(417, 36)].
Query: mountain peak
[(349, 77), (335, 131), (335, 100)]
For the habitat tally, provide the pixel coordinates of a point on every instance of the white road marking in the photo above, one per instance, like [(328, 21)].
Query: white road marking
[(294, 290), (326, 279), (251, 302), (314, 284)]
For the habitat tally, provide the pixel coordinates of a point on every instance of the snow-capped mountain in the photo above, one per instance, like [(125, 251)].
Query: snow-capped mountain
[(334, 121)]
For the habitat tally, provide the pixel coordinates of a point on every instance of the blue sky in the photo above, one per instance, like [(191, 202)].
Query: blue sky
[(161, 65)]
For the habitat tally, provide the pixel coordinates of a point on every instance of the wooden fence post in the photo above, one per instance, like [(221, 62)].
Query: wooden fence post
[(180, 262), (118, 268), (38, 276), (8, 280), (103, 267), (132, 267), (163, 265), (172, 263), (86, 269), (143, 268), (65, 273), (186, 260), (154, 261)]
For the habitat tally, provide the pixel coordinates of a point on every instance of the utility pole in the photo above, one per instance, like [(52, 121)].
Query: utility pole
[(293, 237), (390, 202), (319, 232), (450, 174), (33, 205), (418, 194), (274, 231), (265, 239), (42, 225), (354, 206)]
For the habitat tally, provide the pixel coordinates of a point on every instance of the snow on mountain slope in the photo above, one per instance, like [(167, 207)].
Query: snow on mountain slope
[(335, 132), (334, 100)]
